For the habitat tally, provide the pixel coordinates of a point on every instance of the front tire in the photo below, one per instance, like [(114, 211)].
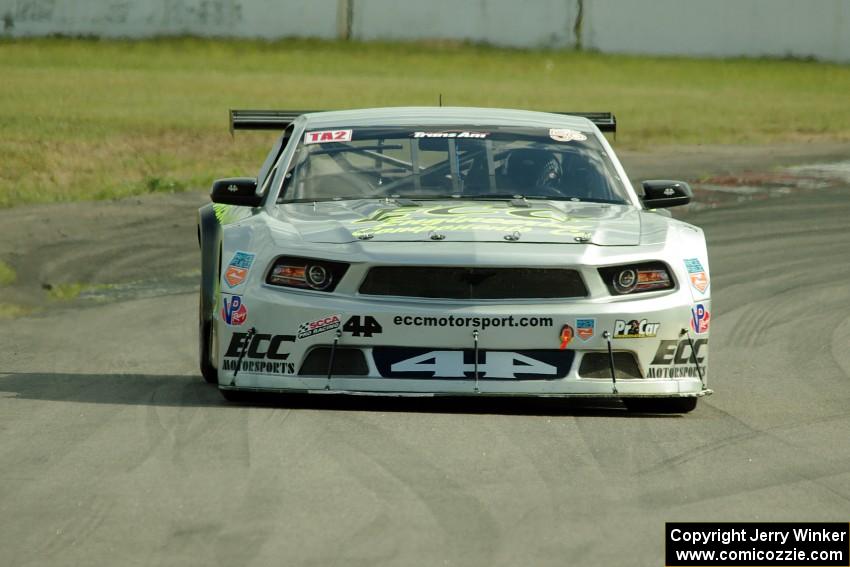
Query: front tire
[(661, 405), (205, 329)]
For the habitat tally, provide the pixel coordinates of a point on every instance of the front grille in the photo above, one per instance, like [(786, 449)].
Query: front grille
[(598, 365), (474, 283)]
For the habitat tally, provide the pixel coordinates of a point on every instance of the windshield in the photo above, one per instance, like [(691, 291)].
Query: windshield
[(440, 162)]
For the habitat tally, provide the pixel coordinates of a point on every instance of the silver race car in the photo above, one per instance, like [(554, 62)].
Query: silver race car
[(451, 251)]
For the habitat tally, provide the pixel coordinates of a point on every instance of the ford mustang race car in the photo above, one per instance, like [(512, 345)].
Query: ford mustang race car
[(451, 251)]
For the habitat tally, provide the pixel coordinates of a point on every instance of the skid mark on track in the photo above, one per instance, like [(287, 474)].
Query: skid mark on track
[(749, 434)]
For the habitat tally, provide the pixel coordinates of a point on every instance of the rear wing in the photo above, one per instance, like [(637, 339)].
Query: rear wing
[(263, 119), (280, 119)]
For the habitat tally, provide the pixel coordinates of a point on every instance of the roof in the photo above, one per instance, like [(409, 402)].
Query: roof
[(444, 115)]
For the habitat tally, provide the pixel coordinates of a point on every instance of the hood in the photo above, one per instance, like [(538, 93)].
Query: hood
[(546, 222)]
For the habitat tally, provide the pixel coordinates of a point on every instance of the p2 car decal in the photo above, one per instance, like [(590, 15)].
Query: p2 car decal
[(635, 329)]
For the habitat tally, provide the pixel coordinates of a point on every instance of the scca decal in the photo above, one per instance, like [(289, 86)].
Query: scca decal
[(318, 326)]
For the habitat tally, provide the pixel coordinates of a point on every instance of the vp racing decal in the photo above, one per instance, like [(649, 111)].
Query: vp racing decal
[(700, 316), (398, 362), (233, 311)]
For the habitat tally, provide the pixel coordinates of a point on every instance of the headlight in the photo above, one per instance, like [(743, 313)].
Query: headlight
[(635, 278), (306, 273)]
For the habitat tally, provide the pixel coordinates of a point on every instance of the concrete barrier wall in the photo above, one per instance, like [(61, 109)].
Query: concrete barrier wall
[(537, 23), (146, 18), (719, 28)]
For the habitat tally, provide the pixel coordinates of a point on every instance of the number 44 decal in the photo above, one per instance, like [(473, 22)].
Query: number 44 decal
[(364, 326), (498, 364)]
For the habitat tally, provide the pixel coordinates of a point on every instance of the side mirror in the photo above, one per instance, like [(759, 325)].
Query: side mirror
[(660, 194), (241, 191)]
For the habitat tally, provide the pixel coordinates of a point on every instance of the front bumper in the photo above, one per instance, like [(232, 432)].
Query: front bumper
[(428, 347)]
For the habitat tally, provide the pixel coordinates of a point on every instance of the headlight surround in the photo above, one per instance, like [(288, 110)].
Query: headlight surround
[(306, 273), (637, 278)]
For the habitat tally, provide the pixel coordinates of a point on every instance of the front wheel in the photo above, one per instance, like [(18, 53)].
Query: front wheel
[(205, 329), (661, 405)]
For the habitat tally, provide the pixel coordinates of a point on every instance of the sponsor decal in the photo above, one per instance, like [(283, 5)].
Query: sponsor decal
[(263, 355), (482, 217), (323, 136), (635, 329), (362, 326), (700, 317), (396, 362), (699, 279), (472, 322), (567, 334), (585, 328), (234, 312), (566, 135), (675, 359), (311, 328), (679, 352), (237, 269), (477, 135), (674, 371)]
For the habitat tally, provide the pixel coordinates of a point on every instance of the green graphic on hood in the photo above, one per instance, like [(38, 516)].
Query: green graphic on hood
[(416, 220), (225, 214)]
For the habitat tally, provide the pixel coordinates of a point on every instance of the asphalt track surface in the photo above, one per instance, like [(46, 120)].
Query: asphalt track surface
[(114, 452)]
